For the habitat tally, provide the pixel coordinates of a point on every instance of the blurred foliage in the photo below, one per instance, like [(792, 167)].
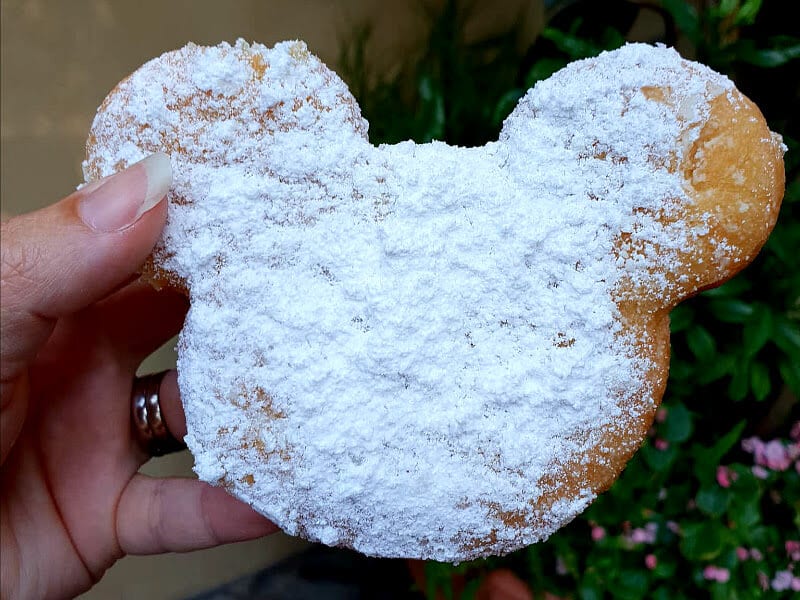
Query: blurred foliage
[(735, 369)]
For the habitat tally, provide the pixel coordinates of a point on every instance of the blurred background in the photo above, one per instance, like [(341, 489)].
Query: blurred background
[(711, 505)]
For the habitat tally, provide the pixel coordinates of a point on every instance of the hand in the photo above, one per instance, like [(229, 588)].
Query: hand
[(75, 326)]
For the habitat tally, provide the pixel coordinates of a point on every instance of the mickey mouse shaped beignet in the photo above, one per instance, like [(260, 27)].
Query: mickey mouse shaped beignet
[(423, 350)]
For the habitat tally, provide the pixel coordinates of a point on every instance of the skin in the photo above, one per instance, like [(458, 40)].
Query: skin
[(76, 324)]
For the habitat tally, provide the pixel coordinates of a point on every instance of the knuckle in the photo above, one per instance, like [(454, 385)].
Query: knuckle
[(18, 260)]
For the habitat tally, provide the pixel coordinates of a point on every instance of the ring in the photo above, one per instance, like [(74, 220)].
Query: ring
[(149, 427)]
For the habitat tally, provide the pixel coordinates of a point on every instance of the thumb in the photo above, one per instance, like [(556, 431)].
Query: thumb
[(65, 257)]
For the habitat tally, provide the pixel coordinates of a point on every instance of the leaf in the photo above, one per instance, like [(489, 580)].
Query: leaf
[(748, 12), (759, 380), (631, 585), (731, 310), (542, 69), (570, 44), (735, 287), (746, 515), (719, 367), (790, 373), (757, 330), (680, 318), (786, 335), (505, 105), (470, 591), (740, 382), (659, 460), (766, 58), (678, 426), (726, 7), (686, 18), (701, 343), (708, 457), (587, 592), (702, 541), (713, 500)]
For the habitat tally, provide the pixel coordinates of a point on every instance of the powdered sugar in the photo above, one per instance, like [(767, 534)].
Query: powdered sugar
[(396, 348)]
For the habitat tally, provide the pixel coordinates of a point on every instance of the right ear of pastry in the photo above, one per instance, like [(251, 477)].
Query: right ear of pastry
[(734, 174)]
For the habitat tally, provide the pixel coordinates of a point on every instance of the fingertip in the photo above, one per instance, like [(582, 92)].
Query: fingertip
[(117, 202), (233, 519)]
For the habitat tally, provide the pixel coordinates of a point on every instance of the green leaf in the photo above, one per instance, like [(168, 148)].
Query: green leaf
[(702, 541), (735, 287), (748, 12), (726, 7), (767, 58), (731, 310), (759, 380), (790, 373), (505, 105), (745, 516), (572, 45), (542, 69), (631, 585), (786, 335), (659, 460), (708, 457), (470, 591), (740, 382), (680, 318), (719, 367), (588, 592), (686, 18), (713, 500), (701, 343), (678, 426), (757, 330)]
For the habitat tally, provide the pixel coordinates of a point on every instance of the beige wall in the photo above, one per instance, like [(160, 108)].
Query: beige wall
[(60, 58)]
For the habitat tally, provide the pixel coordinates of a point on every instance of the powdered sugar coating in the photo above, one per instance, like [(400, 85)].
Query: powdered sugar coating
[(397, 348)]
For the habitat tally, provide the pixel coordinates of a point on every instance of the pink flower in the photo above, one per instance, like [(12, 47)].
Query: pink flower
[(661, 444), (782, 581), (756, 555), (753, 445), (742, 553), (714, 573), (795, 431), (763, 580), (598, 533), (775, 456), (772, 454), (793, 549), (760, 472), (661, 415), (725, 476), (674, 527), (561, 566), (650, 561), (644, 535)]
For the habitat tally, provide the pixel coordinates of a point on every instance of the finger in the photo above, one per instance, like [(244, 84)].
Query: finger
[(171, 407), (62, 258), (139, 319), (178, 515)]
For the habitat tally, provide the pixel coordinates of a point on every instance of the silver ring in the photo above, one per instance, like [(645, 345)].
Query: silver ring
[(149, 428)]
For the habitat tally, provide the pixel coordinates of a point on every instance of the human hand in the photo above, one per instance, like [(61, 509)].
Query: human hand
[(75, 326)]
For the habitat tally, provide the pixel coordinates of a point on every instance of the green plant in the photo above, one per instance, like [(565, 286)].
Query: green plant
[(710, 506)]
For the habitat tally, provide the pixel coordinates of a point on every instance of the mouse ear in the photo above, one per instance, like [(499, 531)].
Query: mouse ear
[(677, 168), (225, 105), (732, 178)]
